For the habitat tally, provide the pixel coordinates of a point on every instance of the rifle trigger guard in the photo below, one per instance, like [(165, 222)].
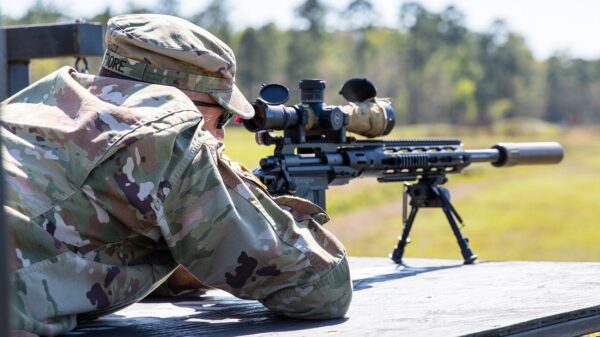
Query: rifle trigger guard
[(290, 186)]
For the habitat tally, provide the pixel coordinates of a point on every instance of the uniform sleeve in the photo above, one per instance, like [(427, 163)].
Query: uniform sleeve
[(231, 235)]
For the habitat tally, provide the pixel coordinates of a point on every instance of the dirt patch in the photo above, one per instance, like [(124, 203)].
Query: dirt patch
[(355, 225)]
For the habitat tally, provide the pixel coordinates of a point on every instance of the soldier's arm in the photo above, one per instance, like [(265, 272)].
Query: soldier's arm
[(231, 235), (222, 228)]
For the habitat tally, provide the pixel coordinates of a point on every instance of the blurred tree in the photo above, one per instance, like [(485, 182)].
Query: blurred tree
[(505, 63), (460, 67), (314, 13), (556, 105), (134, 8), (386, 65), (42, 11), (302, 56), (433, 67), (259, 58), (304, 48), (168, 7), (359, 17), (572, 86), (215, 19), (451, 27), (423, 41), (422, 26), (249, 53), (102, 17)]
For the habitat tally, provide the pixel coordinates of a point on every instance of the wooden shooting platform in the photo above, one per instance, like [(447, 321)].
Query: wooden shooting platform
[(425, 298)]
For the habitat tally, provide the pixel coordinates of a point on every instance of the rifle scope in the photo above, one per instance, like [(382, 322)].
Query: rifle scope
[(365, 115)]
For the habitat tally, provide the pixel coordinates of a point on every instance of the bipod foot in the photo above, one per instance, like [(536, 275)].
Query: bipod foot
[(453, 216), (398, 252), (471, 259), (466, 251), (398, 261)]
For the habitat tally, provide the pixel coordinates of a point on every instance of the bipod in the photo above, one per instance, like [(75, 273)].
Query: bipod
[(426, 193)]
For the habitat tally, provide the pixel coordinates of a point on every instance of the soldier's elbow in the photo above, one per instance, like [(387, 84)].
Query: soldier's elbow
[(328, 298)]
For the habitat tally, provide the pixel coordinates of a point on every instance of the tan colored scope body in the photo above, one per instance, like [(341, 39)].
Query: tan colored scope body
[(368, 118)]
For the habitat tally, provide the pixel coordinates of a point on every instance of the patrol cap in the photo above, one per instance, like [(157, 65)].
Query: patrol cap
[(167, 50)]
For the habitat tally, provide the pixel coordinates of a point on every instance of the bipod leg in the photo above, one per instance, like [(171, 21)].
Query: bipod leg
[(404, 240), (451, 213)]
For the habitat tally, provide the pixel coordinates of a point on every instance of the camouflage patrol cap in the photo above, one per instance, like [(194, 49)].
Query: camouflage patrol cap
[(168, 50)]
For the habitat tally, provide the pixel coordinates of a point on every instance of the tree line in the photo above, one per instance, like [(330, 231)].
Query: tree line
[(430, 64)]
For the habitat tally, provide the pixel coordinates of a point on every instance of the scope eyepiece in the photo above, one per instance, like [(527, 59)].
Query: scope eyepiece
[(271, 117)]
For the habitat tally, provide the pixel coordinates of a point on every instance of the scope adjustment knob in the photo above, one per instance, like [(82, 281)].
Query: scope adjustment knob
[(333, 119)]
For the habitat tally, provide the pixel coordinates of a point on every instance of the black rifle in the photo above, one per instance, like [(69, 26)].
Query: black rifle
[(315, 152)]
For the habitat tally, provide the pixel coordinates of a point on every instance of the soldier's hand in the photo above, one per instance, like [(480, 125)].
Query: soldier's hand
[(302, 209), (183, 281)]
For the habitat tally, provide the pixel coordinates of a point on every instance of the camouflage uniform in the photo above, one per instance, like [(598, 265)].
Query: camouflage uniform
[(111, 184)]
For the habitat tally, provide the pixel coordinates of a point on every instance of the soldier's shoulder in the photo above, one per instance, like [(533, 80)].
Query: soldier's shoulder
[(117, 91), (66, 84)]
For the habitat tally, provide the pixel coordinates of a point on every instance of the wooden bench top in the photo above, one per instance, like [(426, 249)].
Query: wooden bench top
[(427, 297)]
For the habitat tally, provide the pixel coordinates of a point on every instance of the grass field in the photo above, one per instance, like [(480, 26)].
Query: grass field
[(519, 213)]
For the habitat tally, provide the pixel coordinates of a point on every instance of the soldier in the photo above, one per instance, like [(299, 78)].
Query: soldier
[(115, 181)]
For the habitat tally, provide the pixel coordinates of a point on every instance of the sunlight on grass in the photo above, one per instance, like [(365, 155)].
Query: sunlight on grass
[(524, 219), (241, 146)]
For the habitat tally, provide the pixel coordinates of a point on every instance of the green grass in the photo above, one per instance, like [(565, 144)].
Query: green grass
[(529, 218), (520, 213), (241, 146)]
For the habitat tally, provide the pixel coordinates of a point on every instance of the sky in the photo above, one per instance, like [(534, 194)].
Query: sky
[(549, 26)]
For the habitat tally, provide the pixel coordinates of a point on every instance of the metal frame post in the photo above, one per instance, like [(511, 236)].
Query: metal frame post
[(18, 72), (5, 289), (24, 43)]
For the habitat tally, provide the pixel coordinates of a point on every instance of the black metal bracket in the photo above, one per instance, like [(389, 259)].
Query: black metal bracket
[(27, 42)]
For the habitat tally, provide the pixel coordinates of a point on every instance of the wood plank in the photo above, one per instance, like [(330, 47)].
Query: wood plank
[(427, 297)]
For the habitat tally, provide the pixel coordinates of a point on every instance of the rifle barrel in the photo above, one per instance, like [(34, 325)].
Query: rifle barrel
[(484, 156)]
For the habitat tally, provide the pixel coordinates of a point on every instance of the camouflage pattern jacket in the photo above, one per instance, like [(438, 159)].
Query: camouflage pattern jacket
[(111, 184)]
